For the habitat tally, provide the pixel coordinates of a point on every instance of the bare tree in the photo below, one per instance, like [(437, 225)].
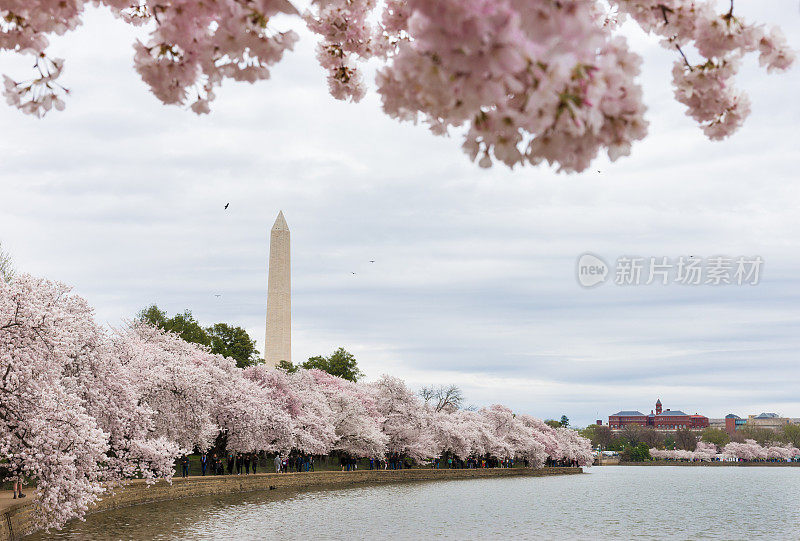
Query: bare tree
[(443, 397), (632, 434), (603, 437), (652, 438), (6, 265), (685, 439)]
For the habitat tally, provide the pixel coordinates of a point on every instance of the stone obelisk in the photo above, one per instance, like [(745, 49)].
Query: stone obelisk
[(278, 345)]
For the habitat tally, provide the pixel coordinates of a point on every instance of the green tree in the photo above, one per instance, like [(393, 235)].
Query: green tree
[(635, 453), (233, 342), (553, 423), (288, 367), (184, 325), (340, 363), (589, 433), (717, 436), (564, 421), (221, 338)]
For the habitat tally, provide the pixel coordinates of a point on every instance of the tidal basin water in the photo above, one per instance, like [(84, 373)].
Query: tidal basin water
[(605, 503)]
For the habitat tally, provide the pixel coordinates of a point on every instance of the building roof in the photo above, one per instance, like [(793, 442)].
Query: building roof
[(627, 413), (658, 401), (673, 412), (768, 416), (732, 416)]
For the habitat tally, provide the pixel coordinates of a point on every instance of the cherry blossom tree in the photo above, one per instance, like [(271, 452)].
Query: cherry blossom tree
[(526, 81), (406, 423), (747, 451), (305, 407), (750, 450), (250, 421), (455, 432), (355, 415), (178, 381), (56, 396), (83, 410)]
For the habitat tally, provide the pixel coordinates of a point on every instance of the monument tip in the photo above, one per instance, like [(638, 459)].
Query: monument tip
[(280, 223)]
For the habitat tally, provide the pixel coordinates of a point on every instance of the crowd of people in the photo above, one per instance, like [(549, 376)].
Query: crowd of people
[(248, 463)]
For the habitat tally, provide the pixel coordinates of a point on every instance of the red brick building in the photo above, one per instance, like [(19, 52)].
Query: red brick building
[(660, 420)]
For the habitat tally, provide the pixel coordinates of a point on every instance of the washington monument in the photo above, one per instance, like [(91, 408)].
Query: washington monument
[(278, 345)]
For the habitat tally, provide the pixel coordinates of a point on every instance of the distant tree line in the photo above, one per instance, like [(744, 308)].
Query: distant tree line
[(633, 442)]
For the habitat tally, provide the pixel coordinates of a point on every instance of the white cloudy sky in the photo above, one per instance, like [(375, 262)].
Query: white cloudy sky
[(474, 280)]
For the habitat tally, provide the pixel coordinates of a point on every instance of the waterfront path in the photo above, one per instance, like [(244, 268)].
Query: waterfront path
[(17, 519)]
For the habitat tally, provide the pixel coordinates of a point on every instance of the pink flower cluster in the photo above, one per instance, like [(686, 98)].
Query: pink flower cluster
[(526, 81), (705, 452), (721, 40), (69, 413), (82, 409), (748, 451)]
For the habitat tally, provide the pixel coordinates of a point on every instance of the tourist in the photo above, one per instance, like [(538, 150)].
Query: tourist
[(238, 461), (18, 489), (231, 460), (277, 462), (203, 463), (254, 462), (246, 462), (184, 466), (311, 462)]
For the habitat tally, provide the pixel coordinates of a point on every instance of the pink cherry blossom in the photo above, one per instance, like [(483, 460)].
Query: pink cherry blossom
[(83, 409), (524, 81), (747, 451)]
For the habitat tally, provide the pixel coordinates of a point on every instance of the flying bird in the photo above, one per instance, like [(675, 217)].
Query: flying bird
[(353, 273), (227, 205), (217, 295), (372, 261)]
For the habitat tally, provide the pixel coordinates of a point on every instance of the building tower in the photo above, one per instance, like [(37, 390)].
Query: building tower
[(658, 407), (278, 343)]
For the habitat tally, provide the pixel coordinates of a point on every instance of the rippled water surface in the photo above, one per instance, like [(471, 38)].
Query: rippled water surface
[(605, 503)]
